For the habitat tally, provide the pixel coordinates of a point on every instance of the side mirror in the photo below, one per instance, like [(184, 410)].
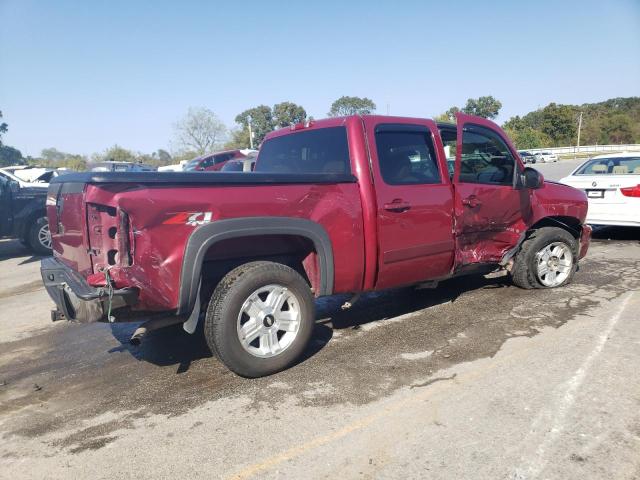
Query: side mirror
[(532, 178), (14, 186)]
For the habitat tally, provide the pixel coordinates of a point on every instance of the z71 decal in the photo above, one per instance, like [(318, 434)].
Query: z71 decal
[(189, 218)]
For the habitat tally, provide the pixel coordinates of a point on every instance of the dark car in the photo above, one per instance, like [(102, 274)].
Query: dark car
[(23, 215), (212, 162), (242, 165), (527, 157)]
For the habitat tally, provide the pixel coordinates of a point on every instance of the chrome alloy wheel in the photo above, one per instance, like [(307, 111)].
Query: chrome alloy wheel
[(554, 263), (44, 236), (269, 321)]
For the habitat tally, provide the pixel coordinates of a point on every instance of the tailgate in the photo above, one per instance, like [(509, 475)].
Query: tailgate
[(66, 213)]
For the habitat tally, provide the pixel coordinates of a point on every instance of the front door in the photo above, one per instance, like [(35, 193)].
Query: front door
[(415, 202), (488, 206)]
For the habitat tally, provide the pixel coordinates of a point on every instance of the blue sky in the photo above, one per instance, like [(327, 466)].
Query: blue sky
[(83, 75)]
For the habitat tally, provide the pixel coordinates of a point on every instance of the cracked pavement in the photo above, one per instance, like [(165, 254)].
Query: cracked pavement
[(469, 380)]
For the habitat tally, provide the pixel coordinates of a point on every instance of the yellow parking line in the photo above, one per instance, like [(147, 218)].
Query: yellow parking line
[(293, 452)]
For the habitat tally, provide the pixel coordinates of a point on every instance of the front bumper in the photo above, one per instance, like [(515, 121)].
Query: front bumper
[(585, 240), (75, 298)]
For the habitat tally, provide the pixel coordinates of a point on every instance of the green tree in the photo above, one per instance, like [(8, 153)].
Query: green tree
[(527, 137), (288, 113), (558, 122), (618, 129), (114, 154), (3, 128), (74, 162), (239, 139), (262, 122), (351, 106), (10, 156), (487, 107), (200, 130), (52, 155)]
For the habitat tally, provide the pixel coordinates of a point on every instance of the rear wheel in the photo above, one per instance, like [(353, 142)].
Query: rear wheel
[(260, 318), (547, 259), (39, 237)]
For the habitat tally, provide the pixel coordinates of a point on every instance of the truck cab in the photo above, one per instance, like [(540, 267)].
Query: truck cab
[(341, 205)]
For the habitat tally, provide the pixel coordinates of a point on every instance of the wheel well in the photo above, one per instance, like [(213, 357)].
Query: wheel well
[(570, 224), (295, 251), (28, 222)]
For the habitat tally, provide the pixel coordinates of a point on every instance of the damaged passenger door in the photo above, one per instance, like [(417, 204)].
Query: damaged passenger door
[(489, 202)]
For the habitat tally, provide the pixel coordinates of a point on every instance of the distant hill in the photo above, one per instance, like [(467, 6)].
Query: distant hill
[(613, 121)]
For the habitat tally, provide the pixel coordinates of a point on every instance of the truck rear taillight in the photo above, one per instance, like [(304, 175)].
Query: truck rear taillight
[(631, 191)]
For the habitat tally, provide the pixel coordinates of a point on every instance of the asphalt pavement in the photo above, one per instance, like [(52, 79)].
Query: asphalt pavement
[(476, 379)]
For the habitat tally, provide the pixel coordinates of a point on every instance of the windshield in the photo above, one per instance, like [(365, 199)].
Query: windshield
[(611, 166), (192, 164), (232, 167)]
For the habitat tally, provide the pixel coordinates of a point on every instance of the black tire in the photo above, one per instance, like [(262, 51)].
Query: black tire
[(523, 273), (221, 322), (33, 237)]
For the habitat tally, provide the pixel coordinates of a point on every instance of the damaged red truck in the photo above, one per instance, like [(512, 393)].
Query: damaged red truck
[(343, 205)]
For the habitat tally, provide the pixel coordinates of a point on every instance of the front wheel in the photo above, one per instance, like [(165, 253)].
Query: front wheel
[(39, 237), (547, 259), (260, 318)]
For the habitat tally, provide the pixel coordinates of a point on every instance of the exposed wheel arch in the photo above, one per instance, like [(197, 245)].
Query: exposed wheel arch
[(208, 235), (571, 224)]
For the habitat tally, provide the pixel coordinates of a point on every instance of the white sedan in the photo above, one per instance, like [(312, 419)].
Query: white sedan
[(545, 157), (612, 185)]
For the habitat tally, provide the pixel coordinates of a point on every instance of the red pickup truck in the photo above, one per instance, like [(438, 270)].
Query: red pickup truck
[(343, 205)]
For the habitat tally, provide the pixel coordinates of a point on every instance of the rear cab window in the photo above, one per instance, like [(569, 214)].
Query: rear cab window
[(322, 150)]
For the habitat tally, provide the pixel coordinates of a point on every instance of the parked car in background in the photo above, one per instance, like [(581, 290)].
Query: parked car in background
[(212, 162), (342, 205), (176, 167), (545, 157), (243, 165), (527, 157), (29, 174), (23, 213), (612, 185), (122, 167)]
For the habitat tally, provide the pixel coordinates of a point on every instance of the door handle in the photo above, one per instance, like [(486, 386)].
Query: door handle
[(471, 202), (397, 206)]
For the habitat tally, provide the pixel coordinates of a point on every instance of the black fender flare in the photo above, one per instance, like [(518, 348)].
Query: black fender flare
[(203, 237)]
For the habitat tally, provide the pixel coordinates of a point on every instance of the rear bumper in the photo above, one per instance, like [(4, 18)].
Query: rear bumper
[(585, 240), (75, 298)]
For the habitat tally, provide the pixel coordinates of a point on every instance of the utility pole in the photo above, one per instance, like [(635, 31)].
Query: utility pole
[(579, 128), (250, 132)]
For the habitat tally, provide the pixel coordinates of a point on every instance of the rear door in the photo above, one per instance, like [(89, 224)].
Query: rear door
[(487, 202), (414, 201)]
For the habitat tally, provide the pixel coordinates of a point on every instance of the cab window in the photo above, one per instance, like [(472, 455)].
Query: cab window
[(406, 155), (485, 158)]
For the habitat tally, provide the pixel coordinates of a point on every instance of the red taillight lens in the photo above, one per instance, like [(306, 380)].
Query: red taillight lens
[(631, 191)]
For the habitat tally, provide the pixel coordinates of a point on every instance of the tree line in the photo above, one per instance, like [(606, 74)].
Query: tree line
[(200, 131)]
